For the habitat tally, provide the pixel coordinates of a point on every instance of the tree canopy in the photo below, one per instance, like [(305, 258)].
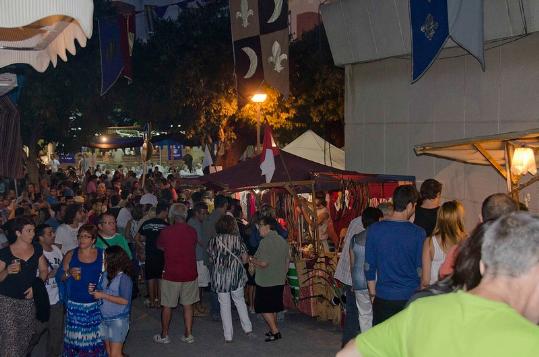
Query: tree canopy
[(183, 78)]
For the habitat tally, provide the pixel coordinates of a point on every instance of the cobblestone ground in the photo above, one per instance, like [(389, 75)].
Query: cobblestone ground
[(303, 336)]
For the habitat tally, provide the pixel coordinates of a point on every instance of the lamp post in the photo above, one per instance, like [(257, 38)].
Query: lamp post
[(258, 98)]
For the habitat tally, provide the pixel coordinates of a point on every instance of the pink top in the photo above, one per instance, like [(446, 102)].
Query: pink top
[(448, 265)]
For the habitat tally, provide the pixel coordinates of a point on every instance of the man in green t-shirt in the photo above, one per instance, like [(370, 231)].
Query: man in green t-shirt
[(496, 319), (107, 235)]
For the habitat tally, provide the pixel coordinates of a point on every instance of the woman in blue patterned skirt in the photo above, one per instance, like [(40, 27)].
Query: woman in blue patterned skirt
[(81, 267)]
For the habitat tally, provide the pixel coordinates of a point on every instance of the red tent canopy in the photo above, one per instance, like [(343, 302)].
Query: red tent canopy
[(247, 174)]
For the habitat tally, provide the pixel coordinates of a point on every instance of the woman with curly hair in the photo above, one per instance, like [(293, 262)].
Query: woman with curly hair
[(114, 290)]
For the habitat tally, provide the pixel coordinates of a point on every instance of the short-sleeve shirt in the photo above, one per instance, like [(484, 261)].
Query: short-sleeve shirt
[(117, 239), (197, 225), (452, 325), (426, 219), (14, 285), (54, 260), (178, 243), (393, 258), (228, 273), (273, 249), (122, 286), (67, 237), (150, 230)]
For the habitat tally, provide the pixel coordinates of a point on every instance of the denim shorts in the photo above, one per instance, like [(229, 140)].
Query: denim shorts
[(114, 330)]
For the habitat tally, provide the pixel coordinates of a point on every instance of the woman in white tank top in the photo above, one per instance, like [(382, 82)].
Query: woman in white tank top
[(449, 231)]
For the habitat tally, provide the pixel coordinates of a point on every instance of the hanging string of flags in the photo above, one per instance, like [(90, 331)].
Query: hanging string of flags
[(433, 23), (260, 42)]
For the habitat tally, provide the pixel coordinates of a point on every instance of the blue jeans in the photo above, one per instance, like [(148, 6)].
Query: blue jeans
[(351, 317)]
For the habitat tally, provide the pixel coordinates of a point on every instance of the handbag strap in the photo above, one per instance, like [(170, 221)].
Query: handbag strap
[(229, 251)]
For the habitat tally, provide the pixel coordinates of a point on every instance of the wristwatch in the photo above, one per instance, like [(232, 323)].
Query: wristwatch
[(66, 274)]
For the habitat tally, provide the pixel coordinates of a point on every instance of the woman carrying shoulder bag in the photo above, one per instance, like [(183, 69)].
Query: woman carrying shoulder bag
[(228, 254)]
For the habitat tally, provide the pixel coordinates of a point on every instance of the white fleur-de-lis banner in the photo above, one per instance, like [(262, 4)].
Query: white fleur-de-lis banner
[(433, 22), (260, 34)]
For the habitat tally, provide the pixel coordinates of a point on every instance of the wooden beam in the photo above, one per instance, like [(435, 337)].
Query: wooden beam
[(490, 159), (530, 181)]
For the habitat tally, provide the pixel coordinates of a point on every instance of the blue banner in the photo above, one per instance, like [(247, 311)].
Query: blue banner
[(112, 63), (430, 30), (175, 152)]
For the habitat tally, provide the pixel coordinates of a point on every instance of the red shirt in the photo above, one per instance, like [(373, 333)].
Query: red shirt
[(178, 243)]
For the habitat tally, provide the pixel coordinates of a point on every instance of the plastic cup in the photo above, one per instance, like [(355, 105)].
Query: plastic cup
[(76, 273), (17, 262)]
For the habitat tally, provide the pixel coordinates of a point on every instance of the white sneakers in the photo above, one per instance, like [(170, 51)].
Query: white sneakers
[(159, 339), (188, 339), (165, 340)]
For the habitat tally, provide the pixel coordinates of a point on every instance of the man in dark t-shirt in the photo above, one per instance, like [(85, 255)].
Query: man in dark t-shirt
[(426, 213), (154, 260)]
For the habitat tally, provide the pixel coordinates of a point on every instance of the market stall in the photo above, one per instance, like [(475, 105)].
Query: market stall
[(513, 155), (311, 286)]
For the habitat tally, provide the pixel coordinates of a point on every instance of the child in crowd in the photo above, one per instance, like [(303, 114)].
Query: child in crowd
[(114, 289)]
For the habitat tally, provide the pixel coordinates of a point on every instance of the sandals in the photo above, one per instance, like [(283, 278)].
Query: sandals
[(273, 337)]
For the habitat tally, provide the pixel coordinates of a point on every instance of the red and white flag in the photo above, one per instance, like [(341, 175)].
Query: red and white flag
[(267, 157)]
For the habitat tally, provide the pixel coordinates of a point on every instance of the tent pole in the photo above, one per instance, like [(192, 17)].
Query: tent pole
[(144, 168), (315, 221)]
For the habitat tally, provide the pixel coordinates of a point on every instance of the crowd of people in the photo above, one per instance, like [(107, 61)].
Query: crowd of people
[(77, 250), (417, 284)]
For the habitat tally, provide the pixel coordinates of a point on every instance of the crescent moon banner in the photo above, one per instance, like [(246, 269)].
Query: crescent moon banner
[(273, 15), (248, 65), (260, 34)]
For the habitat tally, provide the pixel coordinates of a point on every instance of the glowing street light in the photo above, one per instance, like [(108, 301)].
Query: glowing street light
[(258, 98)]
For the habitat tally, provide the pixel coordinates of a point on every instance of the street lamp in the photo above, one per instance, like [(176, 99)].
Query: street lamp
[(258, 98)]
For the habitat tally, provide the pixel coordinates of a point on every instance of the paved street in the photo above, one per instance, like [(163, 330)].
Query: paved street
[(302, 336)]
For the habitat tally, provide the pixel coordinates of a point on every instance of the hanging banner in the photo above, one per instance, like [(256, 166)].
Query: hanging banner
[(112, 63), (260, 36), (433, 22), (430, 30)]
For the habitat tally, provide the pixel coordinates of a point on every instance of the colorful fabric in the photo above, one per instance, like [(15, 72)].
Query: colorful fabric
[(293, 280), (82, 338)]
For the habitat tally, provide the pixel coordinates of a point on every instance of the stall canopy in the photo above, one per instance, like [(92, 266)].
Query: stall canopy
[(296, 171), (312, 147), (490, 150), (480, 150), (37, 32)]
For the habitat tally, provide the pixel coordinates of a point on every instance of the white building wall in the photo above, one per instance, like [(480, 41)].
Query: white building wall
[(386, 115)]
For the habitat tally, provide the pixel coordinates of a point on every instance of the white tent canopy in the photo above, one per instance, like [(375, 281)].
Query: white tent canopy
[(312, 147), (37, 32)]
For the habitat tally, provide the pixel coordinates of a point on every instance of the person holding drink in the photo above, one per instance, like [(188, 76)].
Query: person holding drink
[(82, 267), (18, 265)]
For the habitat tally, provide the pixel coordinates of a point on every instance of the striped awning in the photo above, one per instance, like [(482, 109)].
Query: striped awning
[(37, 32)]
